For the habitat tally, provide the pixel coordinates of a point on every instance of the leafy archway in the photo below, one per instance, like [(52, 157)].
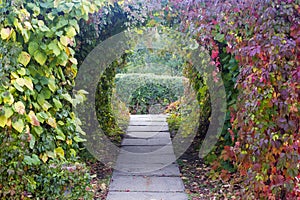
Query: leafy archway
[(254, 44)]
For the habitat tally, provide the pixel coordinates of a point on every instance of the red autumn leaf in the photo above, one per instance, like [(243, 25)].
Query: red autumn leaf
[(215, 54)]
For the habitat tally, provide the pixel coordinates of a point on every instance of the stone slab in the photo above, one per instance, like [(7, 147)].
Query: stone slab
[(156, 128), (146, 196), (147, 135), (170, 170), (146, 141), (146, 184), (148, 123), (146, 158), (147, 118), (151, 116), (167, 149), (141, 168)]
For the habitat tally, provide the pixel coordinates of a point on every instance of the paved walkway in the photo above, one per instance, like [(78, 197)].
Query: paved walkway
[(146, 168)]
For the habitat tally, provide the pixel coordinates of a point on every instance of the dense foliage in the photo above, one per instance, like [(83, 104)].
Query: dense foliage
[(39, 132), (263, 36), (253, 44), (141, 92)]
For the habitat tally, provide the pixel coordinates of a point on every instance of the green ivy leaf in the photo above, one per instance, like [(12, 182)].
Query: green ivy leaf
[(78, 139), (50, 16), (33, 47), (24, 58), (51, 84), (31, 160), (38, 130), (32, 142), (46, 106), (54, 48), (67, 97), (18, 125), (220, 37), (57, 104), (46, 93), (8, 112), (40, 57), (60, 135), (18, 87)]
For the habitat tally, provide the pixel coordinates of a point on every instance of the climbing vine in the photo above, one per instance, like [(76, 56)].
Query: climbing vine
[(253, 44), (263, 37), (39, 131)]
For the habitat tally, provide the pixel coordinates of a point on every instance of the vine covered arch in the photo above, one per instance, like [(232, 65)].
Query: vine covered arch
[(253, 44)]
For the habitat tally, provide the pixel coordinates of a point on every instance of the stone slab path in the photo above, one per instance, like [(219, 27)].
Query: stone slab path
[(146, 168)]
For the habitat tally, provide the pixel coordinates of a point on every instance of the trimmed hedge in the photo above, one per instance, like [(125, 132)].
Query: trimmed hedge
[(142, 91)]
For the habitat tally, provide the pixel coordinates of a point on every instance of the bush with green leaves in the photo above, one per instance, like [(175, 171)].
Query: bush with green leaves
[(38, 126), (144, 91)]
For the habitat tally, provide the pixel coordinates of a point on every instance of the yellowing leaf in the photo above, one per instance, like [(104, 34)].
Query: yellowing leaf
[(28, 25), (22, 71), (74, 61), (19, 107), (56, 3), (33, 119), (8, 112), (67, 97), (73, 152), (50, 154), (3, 121), (51, 84), (52, 122), (71, 32), (9, 99), (20, 82), (59, 152), (28, 83), (24, 58), (40, 57), (18, 125), (44, 157), (5, 33), (46, 105), (69, 142), (140, 32), (65, 40)]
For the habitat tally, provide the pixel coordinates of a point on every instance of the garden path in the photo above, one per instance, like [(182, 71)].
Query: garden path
[(146, 168)]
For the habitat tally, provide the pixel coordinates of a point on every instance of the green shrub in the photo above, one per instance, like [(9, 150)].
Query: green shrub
[(37, 71), (144, 91), (63, 180), (120, 111)]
